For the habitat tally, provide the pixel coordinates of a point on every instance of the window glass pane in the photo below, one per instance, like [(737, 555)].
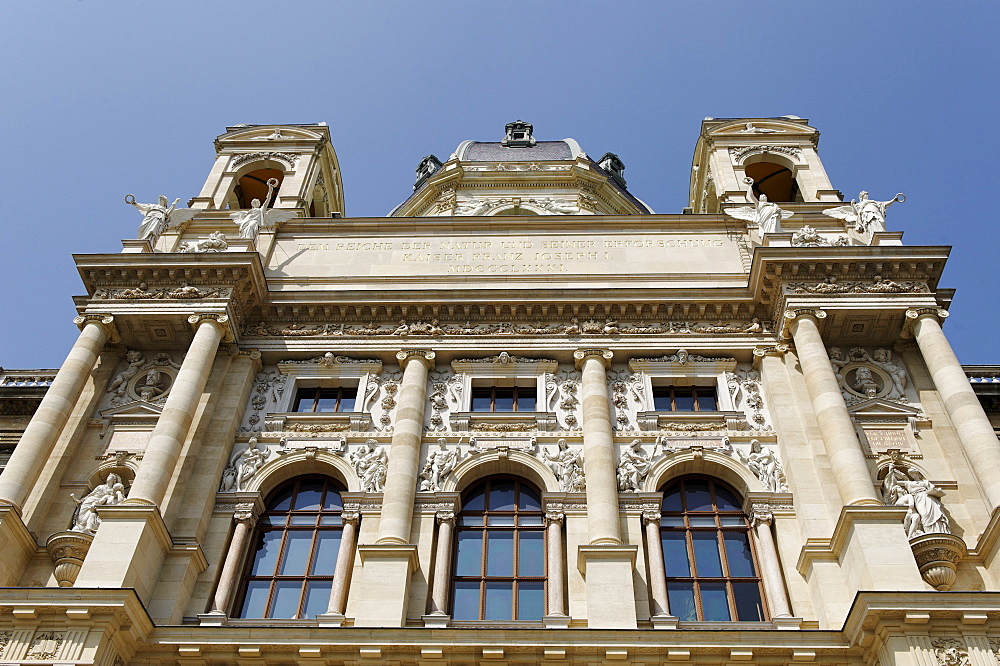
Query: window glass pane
[(470, 521), (706, 400), (661, 400), (256, 599), (531, 554), (474, 501), (303, 520), (286, 599), (310, 494), (714, 603), (267, 554), (347, 400), (327, 403), (304, 400), (706, 554), (738, 554), (672, 521), (469, 561), (282, 500), (481, 400), (697, 496), (499, 601), (333, 502), (672, 499), (530, 600), (748, 606), (297, 547), (530, 520), (317, 598), (680, 596), (683, 400), (525, 400), (327, 547), (675, 556), (725, 500), (466, 601), (331, 520), (502, 495), (702, 521), (529, 499), (500, 553), (504, 401), (732, 520), (502, 520)]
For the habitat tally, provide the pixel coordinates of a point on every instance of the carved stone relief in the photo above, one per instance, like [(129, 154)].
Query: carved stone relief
[(633, 467), (809, 237), (110, 493), (745, 390), (265, 395), (761, 460), (45, 645), (216, 242), (628, 398), (865, 375), (878, 285), (380, 398), (142, 379), (441, 461), (444, 397), (243, 467), (765, 466), (371, 462), (567, 466), (561, 397), (143, 292), (950, 651)]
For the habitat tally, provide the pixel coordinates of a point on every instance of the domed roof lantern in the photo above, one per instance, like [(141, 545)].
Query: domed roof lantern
[(518, 135)]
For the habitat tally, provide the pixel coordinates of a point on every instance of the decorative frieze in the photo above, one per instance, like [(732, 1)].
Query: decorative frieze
[(142, 292), (877, 285), (865, 375)]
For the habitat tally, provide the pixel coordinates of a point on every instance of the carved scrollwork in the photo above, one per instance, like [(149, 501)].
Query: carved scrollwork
[(745, 389)]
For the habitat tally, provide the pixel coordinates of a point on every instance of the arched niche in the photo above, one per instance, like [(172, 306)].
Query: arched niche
[(514, 211), (773, 175), (250, 182), (299, 463), (515, 463), (707, 463)]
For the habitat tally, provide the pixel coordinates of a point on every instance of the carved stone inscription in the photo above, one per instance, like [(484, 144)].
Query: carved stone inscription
[(510, 255)]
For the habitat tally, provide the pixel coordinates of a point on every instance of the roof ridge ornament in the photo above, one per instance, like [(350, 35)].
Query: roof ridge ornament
[(518, 135)]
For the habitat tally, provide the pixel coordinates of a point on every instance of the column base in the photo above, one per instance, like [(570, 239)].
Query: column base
[(607, 570), (664, 622), (384, 588), (128, 550), (436, 620), (556, 621), (19, 546), (331, 620)]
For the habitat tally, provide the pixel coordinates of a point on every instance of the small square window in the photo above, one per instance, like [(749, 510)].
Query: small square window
[(325, 399), (685, 399)]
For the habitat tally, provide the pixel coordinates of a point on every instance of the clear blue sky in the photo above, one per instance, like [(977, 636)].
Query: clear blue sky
[(103, 98)]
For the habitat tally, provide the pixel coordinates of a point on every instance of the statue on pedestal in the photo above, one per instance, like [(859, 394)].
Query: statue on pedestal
[(156, 217)]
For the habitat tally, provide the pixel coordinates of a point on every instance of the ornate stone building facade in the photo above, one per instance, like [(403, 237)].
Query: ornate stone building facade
[(522, 420)]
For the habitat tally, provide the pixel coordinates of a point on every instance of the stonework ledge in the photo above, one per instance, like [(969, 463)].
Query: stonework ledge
[(831, 549)]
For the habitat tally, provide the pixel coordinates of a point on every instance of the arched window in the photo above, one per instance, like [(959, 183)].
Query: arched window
[(290, 571), (775, 180), (253, 185), (499, 553), (708, 553)]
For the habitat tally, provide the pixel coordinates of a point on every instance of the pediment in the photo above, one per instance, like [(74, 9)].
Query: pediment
[(761, 127), (878, 407), (270, 134), (136, 408)]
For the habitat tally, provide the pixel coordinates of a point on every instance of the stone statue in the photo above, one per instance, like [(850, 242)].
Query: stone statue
[(440, 463), (371, 464), (567, 465), (251, 461), (765, 214), (152, 386), (633, 467), (921, 498), (765, 466), (883, 359), (838, 362), (751, 129), (864, 213), (864, 382), (252, 220), (156, 217), (119, 384), (109, 493)]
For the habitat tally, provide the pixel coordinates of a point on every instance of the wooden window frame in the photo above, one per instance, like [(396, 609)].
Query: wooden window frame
[(484, 529), (673, 391), (516, 390), (285, 526), (339, 393), (720, 530)]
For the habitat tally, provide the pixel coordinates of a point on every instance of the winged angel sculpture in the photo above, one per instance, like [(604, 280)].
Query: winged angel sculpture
[(767, 216), (864, 213)]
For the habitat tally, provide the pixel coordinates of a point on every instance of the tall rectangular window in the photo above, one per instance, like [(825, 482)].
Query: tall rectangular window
[(325, 399), (503, 398), (685, 399)]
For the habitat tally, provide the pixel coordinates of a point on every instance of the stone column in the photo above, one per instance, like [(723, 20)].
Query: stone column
[(167, 439), (599, 465), (404, 451), (39, 438), (657, 571), (442, 563), (555, 569), (345, 561), (245, 517), (964, 409), (847, 459), (770, 566)]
